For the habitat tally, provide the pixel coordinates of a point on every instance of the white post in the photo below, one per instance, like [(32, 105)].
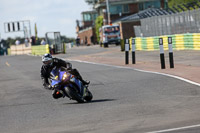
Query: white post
[(171, 58), (126, 51)]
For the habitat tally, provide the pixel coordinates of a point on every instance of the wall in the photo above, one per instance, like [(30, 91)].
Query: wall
[(87, 24), (40, 49), (126, 29), (86, 34), (190, 41), (162, 2), (20, 49), (34, 50), (133, 8)]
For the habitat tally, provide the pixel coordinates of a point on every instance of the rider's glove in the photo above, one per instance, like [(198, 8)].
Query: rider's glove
[(50, 87)]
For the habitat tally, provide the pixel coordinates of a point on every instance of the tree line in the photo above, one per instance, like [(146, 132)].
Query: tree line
[(11, 41)]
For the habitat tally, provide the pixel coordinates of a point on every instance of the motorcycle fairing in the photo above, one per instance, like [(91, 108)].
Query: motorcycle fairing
[(58, 75)]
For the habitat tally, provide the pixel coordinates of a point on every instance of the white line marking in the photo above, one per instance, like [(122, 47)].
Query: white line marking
[(175, 129), (168, 75)]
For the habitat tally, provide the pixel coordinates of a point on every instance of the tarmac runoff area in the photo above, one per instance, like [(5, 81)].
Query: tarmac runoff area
[(186, 67), (186, 62)]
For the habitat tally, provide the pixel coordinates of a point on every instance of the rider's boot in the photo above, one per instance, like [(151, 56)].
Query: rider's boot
[(85, 82)]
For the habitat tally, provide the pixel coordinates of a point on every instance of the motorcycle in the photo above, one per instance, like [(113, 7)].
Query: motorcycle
[(69, 86)]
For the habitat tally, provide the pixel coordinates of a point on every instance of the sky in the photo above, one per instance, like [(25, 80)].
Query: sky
[(49, 15)]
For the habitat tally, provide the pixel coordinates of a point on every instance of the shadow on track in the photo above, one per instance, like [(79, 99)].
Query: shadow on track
[(94, 101), (101, 100)]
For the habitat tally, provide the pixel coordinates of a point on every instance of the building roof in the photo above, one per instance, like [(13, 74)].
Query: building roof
[(150, 12), (93, 11), (132, 1), (116, 2)]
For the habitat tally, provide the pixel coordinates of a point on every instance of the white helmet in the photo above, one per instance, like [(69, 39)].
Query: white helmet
[(47, 59)]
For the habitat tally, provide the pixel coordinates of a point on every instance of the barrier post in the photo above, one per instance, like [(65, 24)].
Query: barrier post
[(127, 51), (171, 60), (162, 56), (133, 51)]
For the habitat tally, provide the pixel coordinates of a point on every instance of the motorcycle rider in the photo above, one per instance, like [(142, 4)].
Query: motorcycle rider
[(48, 64)]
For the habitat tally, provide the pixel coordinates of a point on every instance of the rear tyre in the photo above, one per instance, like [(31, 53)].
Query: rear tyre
[(74, 95)]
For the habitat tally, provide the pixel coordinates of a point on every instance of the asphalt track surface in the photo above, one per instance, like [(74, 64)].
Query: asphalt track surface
[(125, 101)]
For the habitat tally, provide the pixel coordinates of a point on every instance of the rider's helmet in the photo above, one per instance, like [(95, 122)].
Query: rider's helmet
[(47, 59)]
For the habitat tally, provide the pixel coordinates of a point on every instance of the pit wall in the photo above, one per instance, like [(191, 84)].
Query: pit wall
[(23, 49), (40, 49), (19, 49)]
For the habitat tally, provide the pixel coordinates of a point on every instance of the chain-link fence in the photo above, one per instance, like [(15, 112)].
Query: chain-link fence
[(184, 22)]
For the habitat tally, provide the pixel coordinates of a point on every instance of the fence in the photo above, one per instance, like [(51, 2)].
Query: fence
[(184, 22)]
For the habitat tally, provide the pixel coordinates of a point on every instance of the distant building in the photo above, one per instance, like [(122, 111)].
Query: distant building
[(121, 8), (85, 28), (118, 10)]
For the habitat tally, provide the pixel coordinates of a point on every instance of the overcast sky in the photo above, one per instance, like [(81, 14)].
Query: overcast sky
[(49, 15)]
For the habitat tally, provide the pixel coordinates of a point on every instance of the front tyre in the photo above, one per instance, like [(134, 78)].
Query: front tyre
[(74, 94), (89, 96)]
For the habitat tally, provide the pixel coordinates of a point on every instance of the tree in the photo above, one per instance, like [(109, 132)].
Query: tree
[(98, 24), (67, 39), (10, 41)]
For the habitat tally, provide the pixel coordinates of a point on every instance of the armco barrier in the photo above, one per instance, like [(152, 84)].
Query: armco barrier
[(40, 50), (190, 41)]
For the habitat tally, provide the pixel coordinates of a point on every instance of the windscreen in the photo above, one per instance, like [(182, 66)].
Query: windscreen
[(112, 29)]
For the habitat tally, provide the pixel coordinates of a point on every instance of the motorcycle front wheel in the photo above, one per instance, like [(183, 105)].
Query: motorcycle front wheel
[(89, 96), (74, 95)]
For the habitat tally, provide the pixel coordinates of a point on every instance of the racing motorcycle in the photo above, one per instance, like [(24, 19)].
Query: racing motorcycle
[(69, 86)]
